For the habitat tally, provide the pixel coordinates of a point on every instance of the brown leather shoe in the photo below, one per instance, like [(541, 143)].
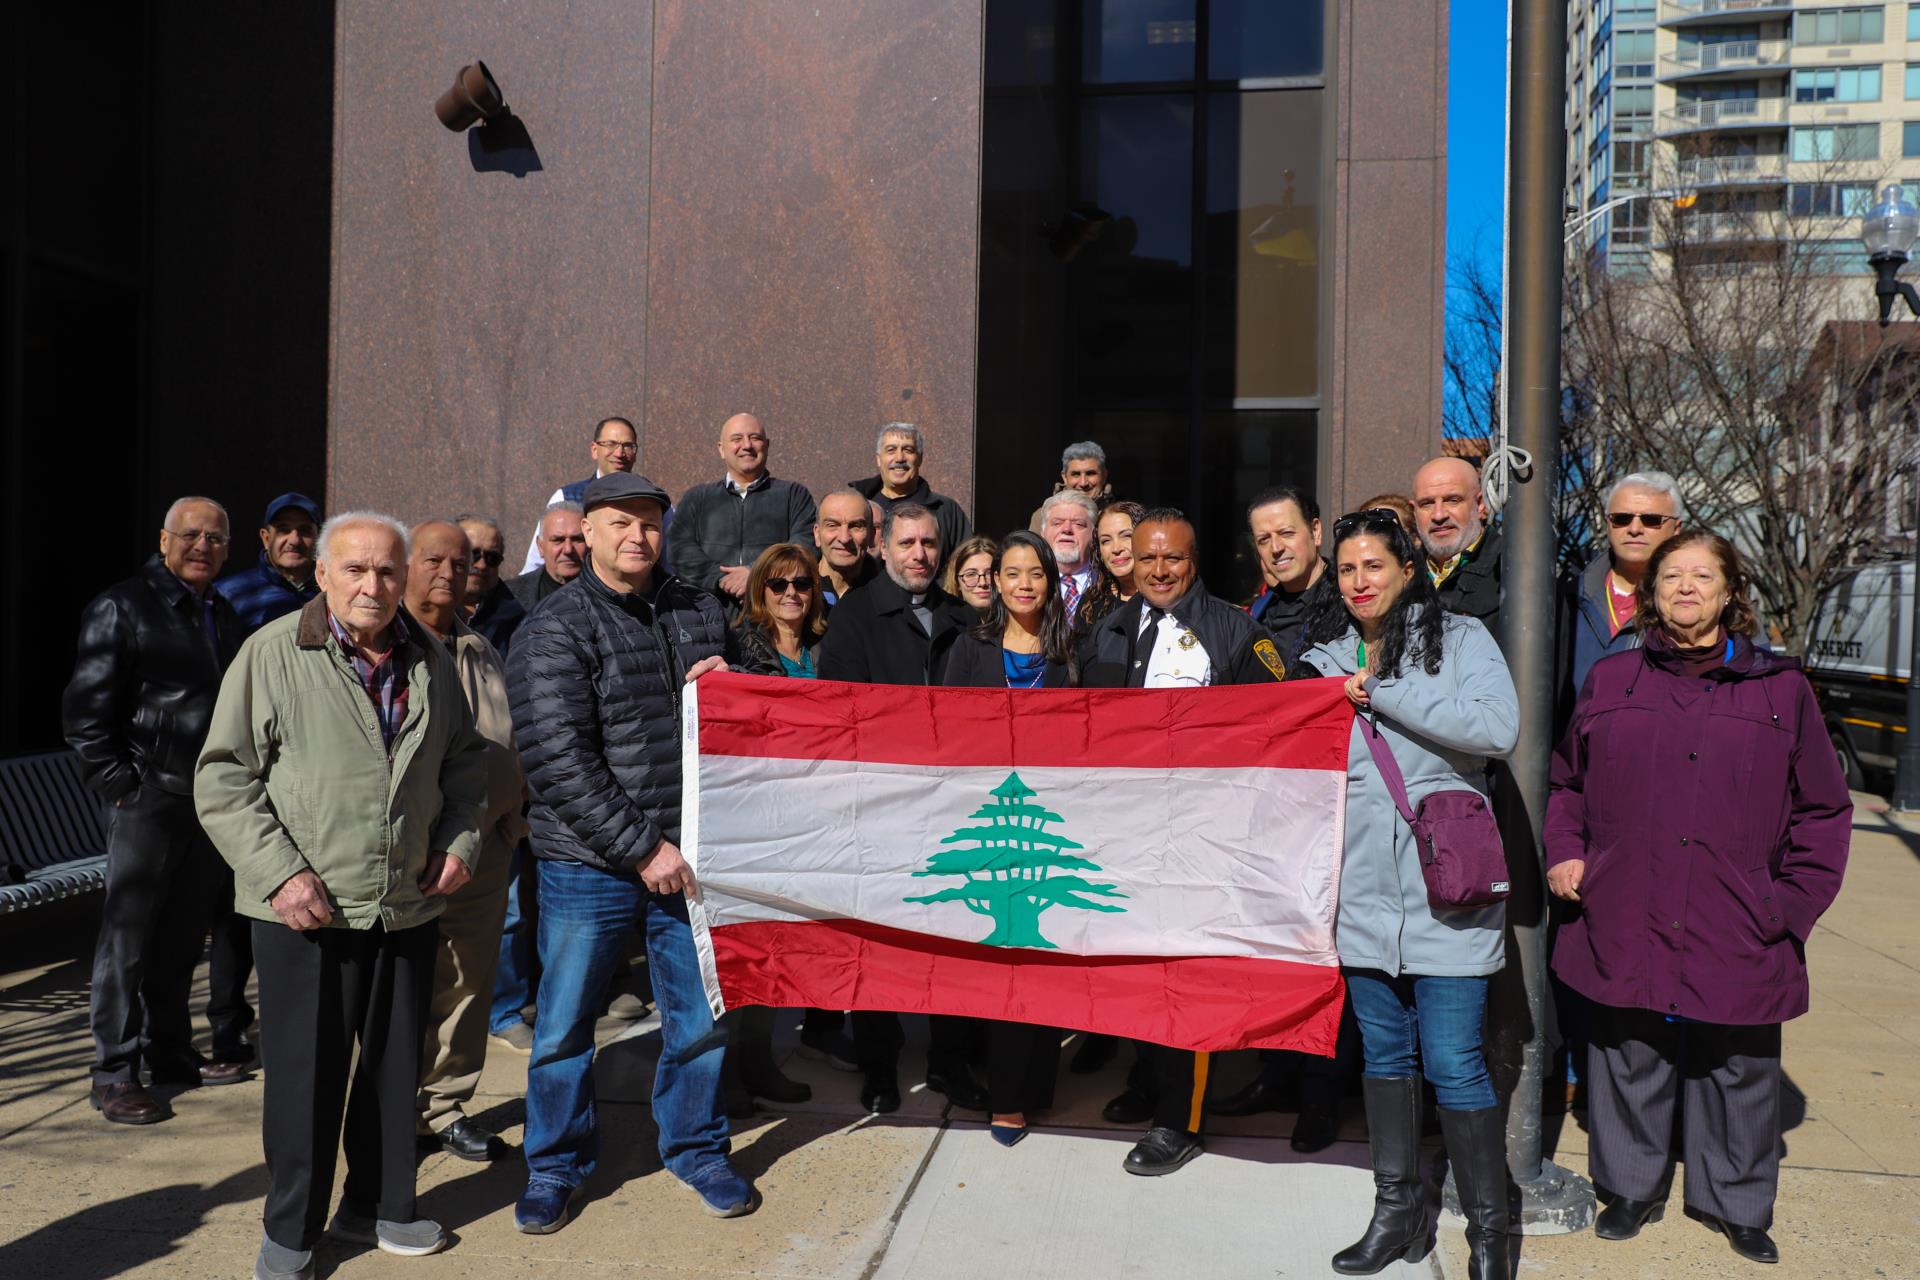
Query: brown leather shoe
[(126, 1102), (223, 1072)]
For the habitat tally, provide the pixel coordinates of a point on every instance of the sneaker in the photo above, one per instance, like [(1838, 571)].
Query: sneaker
[(358, 1225), (628, 1007), (543, 1208), (725, 1194), (277, 1263), (517, 1036)]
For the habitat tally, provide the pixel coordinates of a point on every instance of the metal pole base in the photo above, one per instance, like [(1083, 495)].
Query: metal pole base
[(1559, 1202)]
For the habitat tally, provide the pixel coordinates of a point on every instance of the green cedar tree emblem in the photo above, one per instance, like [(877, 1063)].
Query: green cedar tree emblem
[(1010, 866)]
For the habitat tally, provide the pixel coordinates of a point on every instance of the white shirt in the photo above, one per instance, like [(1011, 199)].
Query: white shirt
[(1178, 660)]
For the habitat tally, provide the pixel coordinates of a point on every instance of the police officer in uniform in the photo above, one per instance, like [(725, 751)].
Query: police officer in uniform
[(1171, 635)]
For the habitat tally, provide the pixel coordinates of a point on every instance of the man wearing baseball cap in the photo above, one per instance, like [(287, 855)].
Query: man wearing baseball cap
[(283, 579), (595, 677)]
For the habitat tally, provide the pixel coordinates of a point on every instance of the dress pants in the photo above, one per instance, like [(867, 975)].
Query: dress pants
[(162, 880), (877, 1039), (1022, 1063), (323, 991), (1176, 1080), (454, 1047), (1727, 1081), (229, 965)]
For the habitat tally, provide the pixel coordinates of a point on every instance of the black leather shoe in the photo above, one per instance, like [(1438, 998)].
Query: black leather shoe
[(1162, 1151), (1130, 1108), (1257, 1095), (1623, 1219), (1095, 1052), (1314, 1130), (957, 1083), (469, 1140), (1751, 1243), (126, 1102), (880, 1099)]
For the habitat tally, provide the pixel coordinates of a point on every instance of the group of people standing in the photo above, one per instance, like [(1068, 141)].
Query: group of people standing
[(413, 750)]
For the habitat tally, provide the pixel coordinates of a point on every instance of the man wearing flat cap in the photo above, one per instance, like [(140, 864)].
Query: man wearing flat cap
[(595, 676)]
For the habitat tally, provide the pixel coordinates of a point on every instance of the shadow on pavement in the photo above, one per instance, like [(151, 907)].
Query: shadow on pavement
[(167, 1215)]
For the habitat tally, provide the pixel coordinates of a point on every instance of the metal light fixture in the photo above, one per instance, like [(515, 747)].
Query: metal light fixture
[(474, 96), (1889, 229)]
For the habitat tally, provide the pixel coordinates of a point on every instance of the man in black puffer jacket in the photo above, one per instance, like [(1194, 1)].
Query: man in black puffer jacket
[(151, 653), (595, 675)]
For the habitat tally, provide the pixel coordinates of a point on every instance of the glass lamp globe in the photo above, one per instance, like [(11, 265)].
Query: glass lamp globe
[(1890, 227)]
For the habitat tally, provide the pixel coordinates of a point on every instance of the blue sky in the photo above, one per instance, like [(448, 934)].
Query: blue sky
[(1476, 129)]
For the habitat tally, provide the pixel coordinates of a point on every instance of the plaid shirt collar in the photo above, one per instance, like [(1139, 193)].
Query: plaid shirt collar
[(385, 681)]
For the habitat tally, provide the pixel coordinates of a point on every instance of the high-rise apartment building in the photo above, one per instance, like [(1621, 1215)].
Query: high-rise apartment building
[(1773, 121)]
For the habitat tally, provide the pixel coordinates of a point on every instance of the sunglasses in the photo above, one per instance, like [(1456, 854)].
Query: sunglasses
[(1374, 517), (779, 585), (1652, 520), (489, 558)]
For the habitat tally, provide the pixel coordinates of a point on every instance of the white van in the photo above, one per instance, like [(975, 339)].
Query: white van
[(1858, 662)]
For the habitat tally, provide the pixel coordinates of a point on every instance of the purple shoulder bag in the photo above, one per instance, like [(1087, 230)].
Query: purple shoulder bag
[(1460, 851)]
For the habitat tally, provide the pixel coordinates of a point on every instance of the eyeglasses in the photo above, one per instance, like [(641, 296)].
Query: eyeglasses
[(1651, 519), (779, 585), (975, 577), (197, 535), (489, 558), (618, 446)]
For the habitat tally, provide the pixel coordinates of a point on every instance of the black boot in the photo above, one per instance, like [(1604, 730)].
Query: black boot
[(1477, 1150), (1402, 1226)]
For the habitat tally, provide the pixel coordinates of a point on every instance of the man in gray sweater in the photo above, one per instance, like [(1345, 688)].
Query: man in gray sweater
[(720, 529)]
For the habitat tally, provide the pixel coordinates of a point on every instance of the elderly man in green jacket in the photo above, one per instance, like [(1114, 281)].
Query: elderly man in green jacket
[(345, 782)]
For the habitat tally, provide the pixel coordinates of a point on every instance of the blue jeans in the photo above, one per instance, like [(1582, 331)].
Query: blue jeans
[(512, 980), (1416, 1025), (586, 923)]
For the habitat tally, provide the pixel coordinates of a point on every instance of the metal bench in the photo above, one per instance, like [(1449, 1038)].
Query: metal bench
[(52, 830)]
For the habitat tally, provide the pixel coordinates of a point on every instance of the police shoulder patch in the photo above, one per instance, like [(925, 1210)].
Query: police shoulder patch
[(1270, 658)]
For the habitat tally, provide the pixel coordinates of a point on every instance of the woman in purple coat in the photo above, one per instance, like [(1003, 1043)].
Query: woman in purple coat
[(1700, 821)]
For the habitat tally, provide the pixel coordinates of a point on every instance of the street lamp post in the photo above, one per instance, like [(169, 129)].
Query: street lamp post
[(1889, 229)]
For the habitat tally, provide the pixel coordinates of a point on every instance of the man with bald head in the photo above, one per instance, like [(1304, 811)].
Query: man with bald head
[(151, 651), (345, 783), (1463, 549), (721, 528)]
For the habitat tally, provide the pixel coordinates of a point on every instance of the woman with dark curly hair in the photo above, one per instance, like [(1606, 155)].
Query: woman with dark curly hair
[(1436, 690), (1113, 560), (1700, 821)]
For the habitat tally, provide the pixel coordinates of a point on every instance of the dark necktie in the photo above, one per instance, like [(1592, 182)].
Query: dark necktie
[(1143, 649)]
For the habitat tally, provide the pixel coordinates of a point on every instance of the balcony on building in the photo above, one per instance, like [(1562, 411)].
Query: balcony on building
[(1732, 60), (1689, 13), (1724, 114), (1767, 170)]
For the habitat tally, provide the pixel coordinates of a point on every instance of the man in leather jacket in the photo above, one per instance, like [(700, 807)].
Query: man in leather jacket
[(151, 653)]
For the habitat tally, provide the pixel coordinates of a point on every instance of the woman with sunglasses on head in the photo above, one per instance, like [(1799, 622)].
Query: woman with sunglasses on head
[(1699, 821), (1435, 689), (782, 618), (1025, 642)]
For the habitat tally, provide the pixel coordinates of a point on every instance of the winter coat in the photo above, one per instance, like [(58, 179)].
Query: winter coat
[(1442, 729), (1285, 615), (1714, 823), (498, 616), (529, 589), (1473, 589), (759, 655), (1586, 634), (874, 637), (977, 664), (955, 528), (144, 682), (716, 526), (295, 776), (1238, 649), (595, 676), (262, 593)]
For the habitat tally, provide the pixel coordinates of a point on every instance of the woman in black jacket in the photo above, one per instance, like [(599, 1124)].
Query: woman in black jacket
[(1113, 558), (1025, 642)]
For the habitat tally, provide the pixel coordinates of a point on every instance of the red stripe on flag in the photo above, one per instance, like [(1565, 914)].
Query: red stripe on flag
[(1298, 725), (1205, 1002)]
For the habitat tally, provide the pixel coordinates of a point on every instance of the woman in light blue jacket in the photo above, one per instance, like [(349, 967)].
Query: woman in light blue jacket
[(1436, 687)]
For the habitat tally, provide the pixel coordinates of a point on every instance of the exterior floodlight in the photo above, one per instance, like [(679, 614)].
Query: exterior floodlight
[(1889, 229), (474, 96)]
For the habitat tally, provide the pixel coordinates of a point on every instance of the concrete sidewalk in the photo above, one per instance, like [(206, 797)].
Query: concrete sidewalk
[(923, 1194)]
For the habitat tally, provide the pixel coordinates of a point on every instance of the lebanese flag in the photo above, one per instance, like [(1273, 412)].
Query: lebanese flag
[(1155, 863)]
